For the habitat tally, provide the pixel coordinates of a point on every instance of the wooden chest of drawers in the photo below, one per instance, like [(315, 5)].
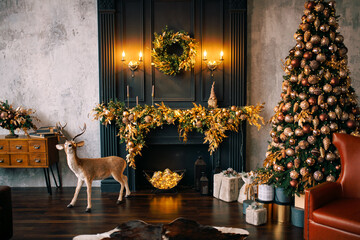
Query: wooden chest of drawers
[(25, 152)]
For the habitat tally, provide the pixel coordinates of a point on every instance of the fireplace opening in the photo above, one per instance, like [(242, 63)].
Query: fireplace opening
[(158, 157)]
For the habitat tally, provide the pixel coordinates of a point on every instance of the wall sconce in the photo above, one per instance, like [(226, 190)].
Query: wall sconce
[(132, 65), (213, 64)]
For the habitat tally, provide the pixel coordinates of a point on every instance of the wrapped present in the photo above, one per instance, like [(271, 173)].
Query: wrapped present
[(256, 214), (266, 192), (226, 186), (247, 191), (300, 201)]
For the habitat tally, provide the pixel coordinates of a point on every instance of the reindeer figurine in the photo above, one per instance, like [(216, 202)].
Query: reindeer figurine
[(89, 169)]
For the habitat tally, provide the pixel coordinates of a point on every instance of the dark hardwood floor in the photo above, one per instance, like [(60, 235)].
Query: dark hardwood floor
[(38, 215)]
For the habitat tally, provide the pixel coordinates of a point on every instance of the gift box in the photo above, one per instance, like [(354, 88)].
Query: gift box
[(256, 214), (281, 212), (300, 201), (266, 192), (226, 187)]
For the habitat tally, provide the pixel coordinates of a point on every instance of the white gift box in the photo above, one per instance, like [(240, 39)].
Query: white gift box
[(266, 192), (256, 216), (226, 188)]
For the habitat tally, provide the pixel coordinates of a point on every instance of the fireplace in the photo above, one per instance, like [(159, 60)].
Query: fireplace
[(130, 25)]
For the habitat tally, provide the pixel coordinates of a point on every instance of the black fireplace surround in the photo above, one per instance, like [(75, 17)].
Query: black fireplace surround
[(129, 26)]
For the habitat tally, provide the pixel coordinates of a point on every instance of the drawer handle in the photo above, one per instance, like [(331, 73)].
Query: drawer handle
[(18, 147), (19, 160), (37, 146), (37, 160), (1, 160), (1, 147)]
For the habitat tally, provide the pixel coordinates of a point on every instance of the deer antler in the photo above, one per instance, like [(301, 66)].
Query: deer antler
[(60, 129), (82, 132)]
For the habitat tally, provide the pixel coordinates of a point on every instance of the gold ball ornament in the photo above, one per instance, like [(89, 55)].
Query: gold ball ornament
[(313, 79), (315, 39), (330, 156), (333, 126), (321, 57), (310, 161), (293, 183), (148, 119), (304, 105), (325, 41), (289, 165), (294, 174), (330, 178), (315, 152), (318, 176), (292, 141), (319, 7), (311, 139), (303, 144), (325, 130), (304, 171), (331, 101), (299, 132), (339, 38), (290, 152)]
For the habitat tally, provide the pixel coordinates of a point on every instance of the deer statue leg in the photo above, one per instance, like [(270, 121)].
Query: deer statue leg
[(126, 185), (77, 190), (118, 178), (88, 190)]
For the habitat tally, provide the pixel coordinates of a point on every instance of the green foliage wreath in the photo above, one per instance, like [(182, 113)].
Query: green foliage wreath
[(169, 62)]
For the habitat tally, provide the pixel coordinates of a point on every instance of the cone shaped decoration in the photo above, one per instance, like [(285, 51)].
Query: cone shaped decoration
[(212, 102), (316, 100)]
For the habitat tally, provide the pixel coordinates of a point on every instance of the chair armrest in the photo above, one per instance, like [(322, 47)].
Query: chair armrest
[(321, 194), (317, 197)]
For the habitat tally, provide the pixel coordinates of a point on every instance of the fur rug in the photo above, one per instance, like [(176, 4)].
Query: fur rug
[(179, 229)]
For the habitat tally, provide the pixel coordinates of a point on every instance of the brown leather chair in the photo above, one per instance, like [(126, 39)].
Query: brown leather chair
[(332, 209), (6, 224)]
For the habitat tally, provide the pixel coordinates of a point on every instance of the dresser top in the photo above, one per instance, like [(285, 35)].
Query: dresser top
[(24, 137)]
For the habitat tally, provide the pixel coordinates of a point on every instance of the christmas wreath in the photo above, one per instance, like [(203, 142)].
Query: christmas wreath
[(173, 52)]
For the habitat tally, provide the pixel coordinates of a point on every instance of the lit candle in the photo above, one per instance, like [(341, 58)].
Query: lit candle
[(123, 56), (205, 53), (221, 55), (152, 93), (140, 56), (137, 100), (128, 91)]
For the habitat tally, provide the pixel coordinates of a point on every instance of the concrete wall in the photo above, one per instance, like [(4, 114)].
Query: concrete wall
[(49, 62), (271, 26)]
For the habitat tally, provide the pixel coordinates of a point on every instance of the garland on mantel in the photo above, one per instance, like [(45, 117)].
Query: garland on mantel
[(134, 123)]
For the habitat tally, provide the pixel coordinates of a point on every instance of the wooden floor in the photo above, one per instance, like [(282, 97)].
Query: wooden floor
[(38, 215)]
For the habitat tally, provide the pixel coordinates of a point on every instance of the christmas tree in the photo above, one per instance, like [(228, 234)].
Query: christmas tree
[(316, 100)]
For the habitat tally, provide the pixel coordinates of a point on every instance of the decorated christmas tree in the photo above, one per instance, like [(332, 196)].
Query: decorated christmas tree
[(317, 100)]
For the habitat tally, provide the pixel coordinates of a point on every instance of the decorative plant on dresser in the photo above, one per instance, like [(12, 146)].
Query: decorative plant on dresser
[(134, 123), (317, 100), (89, 169), (15, 119)]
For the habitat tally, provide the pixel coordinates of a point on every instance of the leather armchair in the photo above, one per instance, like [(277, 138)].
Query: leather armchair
[(332, 209), (6, 224)]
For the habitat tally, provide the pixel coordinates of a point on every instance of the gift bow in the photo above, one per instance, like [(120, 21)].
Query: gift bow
[(256, 205)]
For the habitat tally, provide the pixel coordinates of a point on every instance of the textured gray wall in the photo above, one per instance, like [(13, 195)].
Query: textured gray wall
[(49, 62), (271, 26)]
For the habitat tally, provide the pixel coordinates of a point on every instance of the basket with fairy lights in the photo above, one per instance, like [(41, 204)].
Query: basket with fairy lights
[(164, 180)]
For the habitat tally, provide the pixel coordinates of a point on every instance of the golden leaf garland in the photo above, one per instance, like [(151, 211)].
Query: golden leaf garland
[(134, 123)]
